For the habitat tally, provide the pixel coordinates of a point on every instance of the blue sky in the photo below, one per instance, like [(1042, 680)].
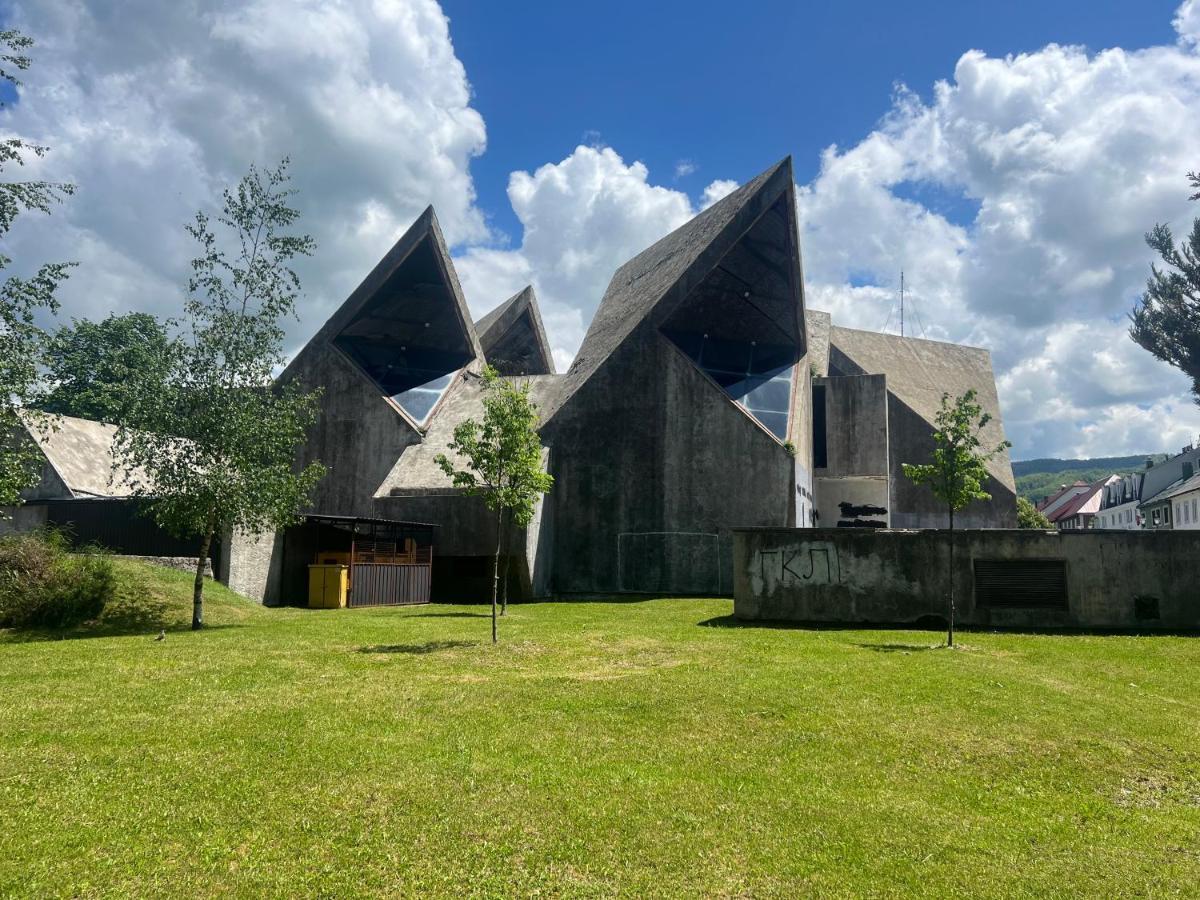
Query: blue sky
[(548, 136), (734, 87)]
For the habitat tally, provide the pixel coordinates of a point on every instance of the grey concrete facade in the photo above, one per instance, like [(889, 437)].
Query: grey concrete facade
[(690, 410), (1110, 580)]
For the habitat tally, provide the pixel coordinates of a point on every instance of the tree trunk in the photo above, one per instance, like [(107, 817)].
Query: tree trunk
[(504, 576), (950, 633), (198, 587), (496, 570)]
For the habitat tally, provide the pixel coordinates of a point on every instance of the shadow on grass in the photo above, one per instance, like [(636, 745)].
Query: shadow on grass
[(144, 617), (901, 648), (453, 615), (102, 630), (935, 624), (734, 622), (417, 649)]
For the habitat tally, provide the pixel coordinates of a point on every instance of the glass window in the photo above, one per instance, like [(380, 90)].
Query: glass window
[(757, 375), (414, 377), (419, 401)]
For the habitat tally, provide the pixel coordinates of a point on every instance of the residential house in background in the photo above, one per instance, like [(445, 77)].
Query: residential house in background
[(1051, 504), (1079, 512), (1119, 503), (1163, 482), (1184, 499)]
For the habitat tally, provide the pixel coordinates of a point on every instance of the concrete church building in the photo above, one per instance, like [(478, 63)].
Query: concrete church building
[(704, 397)]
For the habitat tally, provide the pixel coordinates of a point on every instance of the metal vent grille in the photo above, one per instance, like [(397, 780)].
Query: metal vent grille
[(1021, 583)]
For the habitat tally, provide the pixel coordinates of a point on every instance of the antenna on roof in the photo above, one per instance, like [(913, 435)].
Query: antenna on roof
[(901, 303)]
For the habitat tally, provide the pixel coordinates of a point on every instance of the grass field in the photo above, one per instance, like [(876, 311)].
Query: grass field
[(648, 748)]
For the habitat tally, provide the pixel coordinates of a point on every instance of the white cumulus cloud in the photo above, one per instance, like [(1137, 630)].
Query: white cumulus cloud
[(1014, 194), (150, 108), (1056, 162)]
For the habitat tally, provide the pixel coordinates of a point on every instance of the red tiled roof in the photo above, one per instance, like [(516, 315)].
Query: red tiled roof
[(1046, 501), (1072, 506)]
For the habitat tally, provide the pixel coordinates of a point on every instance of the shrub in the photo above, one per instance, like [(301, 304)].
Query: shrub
[(42, 585)]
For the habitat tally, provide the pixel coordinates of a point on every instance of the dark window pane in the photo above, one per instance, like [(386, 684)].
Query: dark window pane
[(770, 395), (419, 402), (776, 423), (727, 356)]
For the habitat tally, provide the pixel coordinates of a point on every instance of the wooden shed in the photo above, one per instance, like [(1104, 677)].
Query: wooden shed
[(377, 562)]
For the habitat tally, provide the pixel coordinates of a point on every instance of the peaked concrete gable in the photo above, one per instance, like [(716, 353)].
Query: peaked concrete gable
[(513, 338), (654, 283), (414, 281), (918, 373)]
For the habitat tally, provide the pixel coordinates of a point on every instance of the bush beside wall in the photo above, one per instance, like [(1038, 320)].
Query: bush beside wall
[(43, 585)]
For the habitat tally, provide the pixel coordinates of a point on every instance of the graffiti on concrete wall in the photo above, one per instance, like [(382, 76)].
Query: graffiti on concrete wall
[(806, 563)]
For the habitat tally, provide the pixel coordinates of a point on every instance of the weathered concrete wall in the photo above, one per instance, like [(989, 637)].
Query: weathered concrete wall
[(18, 519), (910, 440), (856, 425), (1122, 580), (853, 501), (252, 566), (358, 435), (853, 488), (653, 464)]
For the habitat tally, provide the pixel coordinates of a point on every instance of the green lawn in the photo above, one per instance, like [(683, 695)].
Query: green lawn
[(640, 749)]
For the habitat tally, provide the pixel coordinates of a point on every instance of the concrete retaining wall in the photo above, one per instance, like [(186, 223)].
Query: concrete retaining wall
[(1114, 579)]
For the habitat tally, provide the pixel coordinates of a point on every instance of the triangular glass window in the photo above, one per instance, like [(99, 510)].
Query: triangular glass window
[(757, 375), (408, 338), (740, 324)]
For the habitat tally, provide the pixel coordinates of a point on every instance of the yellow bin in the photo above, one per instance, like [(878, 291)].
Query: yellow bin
[(327, 586)]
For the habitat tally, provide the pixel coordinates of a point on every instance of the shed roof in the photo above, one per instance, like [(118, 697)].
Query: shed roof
[(81, 452)]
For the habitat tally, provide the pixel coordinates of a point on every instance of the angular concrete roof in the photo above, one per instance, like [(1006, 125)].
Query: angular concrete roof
[(416, 470), (918, 373), (518, 320), (81, 453), (425, 227), (818, 324), (666, 272)]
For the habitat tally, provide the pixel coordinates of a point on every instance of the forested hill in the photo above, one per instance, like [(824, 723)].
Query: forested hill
[(1038, 477)]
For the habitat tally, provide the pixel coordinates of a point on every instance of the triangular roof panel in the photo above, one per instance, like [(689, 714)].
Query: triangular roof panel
[(919, 371), (405, 327), (513, 338), (657, 280)]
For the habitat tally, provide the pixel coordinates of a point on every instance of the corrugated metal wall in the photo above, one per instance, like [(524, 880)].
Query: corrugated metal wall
[(120, 527), (381, 585)]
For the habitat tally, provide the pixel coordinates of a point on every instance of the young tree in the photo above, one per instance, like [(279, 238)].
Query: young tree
[(1166, 320), (22, 342), (959, 468), (94, 367), (503, 460), (215, 448), (1029, 516)]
